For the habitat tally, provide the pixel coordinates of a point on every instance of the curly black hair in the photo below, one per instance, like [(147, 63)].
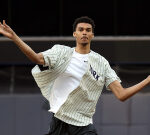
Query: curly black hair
[(83, 19)]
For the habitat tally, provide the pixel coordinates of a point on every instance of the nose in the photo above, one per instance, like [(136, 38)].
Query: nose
[(84, 32)]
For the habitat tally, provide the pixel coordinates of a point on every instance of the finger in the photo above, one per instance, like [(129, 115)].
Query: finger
[(5, 24), (1, 24)]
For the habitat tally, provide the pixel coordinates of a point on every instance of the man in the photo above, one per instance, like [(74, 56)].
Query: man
[(74, 79)]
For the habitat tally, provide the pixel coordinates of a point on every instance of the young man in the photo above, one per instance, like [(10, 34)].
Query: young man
[(74, 79)]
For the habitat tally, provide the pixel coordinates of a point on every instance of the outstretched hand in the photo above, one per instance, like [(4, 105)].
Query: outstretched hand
[(6, 30)]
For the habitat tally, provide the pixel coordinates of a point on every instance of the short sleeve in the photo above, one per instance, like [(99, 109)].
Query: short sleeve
[(51, 56), (110, 75)]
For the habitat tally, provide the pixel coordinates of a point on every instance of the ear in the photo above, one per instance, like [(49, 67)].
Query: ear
[(74, 34), (93, 35)]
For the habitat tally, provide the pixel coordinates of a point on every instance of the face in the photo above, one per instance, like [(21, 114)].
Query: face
[(83, 33)]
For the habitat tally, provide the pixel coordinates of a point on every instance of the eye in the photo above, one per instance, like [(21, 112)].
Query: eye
[(80, 29), (88, 30)]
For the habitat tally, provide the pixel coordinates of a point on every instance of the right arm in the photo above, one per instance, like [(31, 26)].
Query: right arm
[(8, 32), (124, 93)]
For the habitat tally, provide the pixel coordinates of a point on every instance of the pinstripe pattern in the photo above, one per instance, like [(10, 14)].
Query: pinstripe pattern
[(81, 103)]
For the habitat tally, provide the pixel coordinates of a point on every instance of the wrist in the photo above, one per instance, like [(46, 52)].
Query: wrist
[(14, 36)]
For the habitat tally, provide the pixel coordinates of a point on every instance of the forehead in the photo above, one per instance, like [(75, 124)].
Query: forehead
[(84, 25)]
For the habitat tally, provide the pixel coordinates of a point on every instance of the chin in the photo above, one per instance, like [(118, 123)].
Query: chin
[(84, 44)]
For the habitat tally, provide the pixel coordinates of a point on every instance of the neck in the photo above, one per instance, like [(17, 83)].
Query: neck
[(83, 49)]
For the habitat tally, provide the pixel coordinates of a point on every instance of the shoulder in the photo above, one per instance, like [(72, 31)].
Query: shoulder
[(57, 49), (60, 47), (62, 50), (99, 57)]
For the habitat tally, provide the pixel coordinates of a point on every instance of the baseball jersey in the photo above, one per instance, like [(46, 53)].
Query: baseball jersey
[(80, 105), (68, 81)]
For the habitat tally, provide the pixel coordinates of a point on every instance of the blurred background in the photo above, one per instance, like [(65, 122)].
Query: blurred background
[(55, 18), (122, 36)]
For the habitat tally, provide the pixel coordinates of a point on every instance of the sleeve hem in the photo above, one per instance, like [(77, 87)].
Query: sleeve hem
[(110, 81)]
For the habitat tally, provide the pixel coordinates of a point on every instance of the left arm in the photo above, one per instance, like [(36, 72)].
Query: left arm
[(124, 93)]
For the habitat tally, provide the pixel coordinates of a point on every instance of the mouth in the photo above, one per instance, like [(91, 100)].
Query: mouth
[(84, 38)]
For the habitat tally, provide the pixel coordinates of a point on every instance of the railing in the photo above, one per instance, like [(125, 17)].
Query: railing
[(128, 56)]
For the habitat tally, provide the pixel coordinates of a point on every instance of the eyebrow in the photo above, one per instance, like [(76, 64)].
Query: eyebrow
[(85, 28)]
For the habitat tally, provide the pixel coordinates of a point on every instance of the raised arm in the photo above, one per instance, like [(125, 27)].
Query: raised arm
[(124, 93), (8, 32)]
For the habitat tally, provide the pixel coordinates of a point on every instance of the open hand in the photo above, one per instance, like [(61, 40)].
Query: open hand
[(6, 30)]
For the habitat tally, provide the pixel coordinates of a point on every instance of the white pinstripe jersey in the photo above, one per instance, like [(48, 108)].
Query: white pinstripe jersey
[(80, 105)]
